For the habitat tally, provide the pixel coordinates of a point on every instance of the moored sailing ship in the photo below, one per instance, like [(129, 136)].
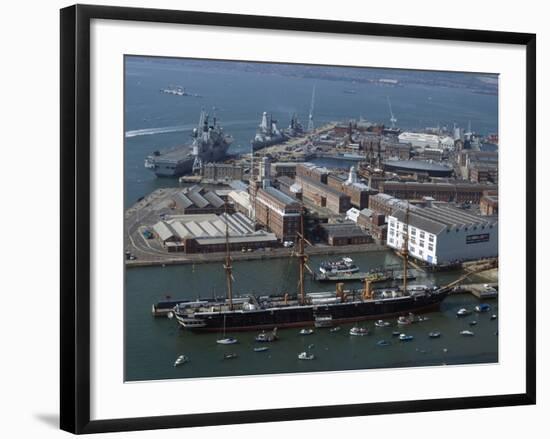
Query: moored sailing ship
[(252, 312)]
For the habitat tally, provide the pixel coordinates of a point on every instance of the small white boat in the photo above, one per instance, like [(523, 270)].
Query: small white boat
[(261, 349), (181, 360), (473, 323), (335, 329), (405, 337), (405, 320), (229, 356), (466, 333), (227, 340), (383, 343), (463, 312), (356, 330), (305, 356), (381, 324), (434, 334), (306, 331), (494, 317)]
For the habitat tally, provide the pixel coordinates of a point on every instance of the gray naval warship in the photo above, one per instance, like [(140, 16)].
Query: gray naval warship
[(267, 134), (209, 144)]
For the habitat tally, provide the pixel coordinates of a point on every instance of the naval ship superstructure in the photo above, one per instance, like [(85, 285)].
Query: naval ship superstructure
[(209, 144), (295, 128), (267, 134)]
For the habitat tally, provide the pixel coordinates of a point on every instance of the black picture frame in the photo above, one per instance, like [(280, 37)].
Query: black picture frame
[(75, 217)]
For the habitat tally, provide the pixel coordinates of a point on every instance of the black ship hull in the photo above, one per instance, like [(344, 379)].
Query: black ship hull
[(298, 316)]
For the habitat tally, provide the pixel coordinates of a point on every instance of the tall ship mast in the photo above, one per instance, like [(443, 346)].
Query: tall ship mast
[(209, 144), (405, 250), (252, 312), (227, 265)]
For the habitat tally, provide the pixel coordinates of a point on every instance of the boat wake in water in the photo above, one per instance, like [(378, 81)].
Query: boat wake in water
[(176, 129), (161, 130)]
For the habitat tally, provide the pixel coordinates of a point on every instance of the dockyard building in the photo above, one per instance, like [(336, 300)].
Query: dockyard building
[(323, 195), (198, 200), (385, 204), (221, 172), (448, 192), (357, 191), (443, 234), (315, 173), (344, 234), (278, 212), (207, 233), (287, 169), (420, 140), (407, 167), (374, 222)]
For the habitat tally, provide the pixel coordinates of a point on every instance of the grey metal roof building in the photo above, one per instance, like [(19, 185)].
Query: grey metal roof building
[(207, 232), (198, 199)]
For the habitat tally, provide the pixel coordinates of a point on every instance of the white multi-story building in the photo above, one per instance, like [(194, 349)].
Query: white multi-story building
[(426, 140), (421, 140), (442, 234)]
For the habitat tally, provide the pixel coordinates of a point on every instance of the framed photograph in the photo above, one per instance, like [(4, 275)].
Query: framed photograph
[(275, 218)]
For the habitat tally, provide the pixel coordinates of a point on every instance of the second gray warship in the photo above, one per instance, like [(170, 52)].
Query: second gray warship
[(267, 134)]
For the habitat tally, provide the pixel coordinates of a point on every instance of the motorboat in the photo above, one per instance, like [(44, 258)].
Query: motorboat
[(335, 329), (356, 330), (466, 333), (261, 349), (405, 320), (463, 312), (181, 360), (381, 324), (434, 334), (306, 331), (383, 343), (305, 356), (494, 317), (405, 337), (483, 307), (266, 337), (342, 266), (229, 356), (227, 340), (473, 323)]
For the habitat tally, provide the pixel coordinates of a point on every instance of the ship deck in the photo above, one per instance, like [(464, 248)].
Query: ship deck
[(178, 153)]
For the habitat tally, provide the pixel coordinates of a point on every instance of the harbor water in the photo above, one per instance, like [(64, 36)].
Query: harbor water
[(153, 344)]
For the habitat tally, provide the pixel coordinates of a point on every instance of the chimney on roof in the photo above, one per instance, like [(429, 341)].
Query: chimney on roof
[(265, 172)]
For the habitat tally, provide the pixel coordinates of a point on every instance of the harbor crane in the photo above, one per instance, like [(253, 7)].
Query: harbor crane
[(393, 120), (310, 119)]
